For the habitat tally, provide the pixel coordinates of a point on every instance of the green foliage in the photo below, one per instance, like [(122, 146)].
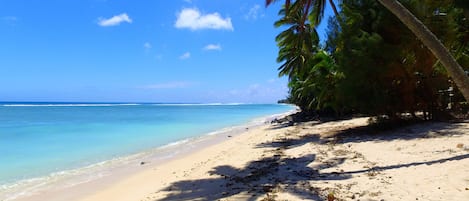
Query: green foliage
[(365, 58), (384, 62), (371, 64), (311, 71), (297, 43)]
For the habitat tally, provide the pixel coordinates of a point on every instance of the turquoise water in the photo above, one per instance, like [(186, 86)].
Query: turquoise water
[(37, 139)]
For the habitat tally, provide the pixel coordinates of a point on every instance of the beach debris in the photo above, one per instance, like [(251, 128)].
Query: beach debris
[(267, 188), (341, 152), (142, 163), (460, 145), (372, 173), (331, 196), (286, 121), (375, 194), (269, 197), (433, 134)]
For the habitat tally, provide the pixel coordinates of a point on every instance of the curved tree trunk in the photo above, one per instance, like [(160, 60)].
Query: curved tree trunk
[(334, 8), (433, 44)]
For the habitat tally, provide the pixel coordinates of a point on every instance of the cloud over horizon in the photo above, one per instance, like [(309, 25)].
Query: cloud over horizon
[(147, 45), (11, 20), (258, 92), (192, 19), (168, 85), (185, 56), (212, 47), (115, 20), (253, 13)]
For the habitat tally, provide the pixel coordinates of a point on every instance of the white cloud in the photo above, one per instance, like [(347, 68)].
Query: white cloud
[(268, 92), (9, 19), (255, 89), (159, 56), (253, 13), (115, 20), (192, 19), (168, 85), (213, 47), (147, 45), (184, 56)]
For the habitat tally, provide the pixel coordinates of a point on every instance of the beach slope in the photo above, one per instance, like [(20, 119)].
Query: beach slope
[(340, 159)]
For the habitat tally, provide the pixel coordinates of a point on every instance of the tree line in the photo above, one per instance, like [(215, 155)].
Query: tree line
[(371, 62)]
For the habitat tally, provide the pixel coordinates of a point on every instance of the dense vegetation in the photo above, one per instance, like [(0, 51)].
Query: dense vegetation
[(371, 63)]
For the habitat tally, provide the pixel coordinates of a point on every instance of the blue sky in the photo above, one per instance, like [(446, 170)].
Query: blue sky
[(199, 51)]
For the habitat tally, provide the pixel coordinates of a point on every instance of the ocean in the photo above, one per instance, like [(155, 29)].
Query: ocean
[(39, 141)]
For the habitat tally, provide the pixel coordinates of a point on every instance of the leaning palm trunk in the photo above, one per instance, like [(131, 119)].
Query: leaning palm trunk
[(432, 43), (334, 8)]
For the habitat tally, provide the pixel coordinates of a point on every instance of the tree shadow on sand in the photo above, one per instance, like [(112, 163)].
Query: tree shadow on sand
[(291, 142), (375, 133), (370, 133), (390, 167), (264, 177), (415, 131), (254, 180), (261, 177)]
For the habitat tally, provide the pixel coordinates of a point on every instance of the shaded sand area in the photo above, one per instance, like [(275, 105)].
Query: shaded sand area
[(311, 161)]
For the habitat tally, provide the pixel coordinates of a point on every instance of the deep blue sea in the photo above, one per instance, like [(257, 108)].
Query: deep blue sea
[(37, 139)]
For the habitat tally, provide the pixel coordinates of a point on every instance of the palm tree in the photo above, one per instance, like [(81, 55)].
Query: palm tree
[(415, 25), (433, 44), (297, 43), (314, 9)]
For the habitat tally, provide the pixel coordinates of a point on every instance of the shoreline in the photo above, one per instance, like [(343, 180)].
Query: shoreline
[(118, 168), (309, 160), (312, 160)]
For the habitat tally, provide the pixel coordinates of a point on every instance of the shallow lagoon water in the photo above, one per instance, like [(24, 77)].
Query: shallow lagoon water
[(39, 139)]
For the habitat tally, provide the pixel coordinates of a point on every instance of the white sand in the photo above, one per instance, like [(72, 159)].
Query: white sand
[(305, 161)]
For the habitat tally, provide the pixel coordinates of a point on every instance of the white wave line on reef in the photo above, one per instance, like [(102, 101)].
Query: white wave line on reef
[(68, 105)]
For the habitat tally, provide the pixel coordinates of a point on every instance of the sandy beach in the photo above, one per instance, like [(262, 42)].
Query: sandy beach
[(305, 161)]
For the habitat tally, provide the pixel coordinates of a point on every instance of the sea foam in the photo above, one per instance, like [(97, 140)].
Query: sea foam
[(131, 132)]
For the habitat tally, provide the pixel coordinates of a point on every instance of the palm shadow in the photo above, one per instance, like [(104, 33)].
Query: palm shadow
[(261, 177), (291, 142), (397, 166), (254, 180), (373, 132), (408, 132)]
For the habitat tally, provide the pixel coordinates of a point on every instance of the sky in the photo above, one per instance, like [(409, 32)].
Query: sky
[(177, 51)]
